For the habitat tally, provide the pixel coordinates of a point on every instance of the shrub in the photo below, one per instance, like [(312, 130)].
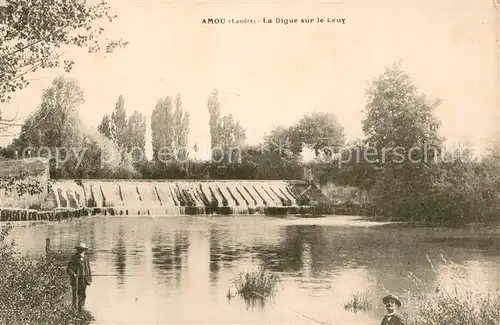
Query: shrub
[(259, 284), (32, 290), (459, 303), (358, 302)]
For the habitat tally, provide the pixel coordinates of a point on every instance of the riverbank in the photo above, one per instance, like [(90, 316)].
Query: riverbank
[(493, 225), (32, 290)]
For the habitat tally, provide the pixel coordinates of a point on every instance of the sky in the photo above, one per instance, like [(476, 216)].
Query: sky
[(272, 74)]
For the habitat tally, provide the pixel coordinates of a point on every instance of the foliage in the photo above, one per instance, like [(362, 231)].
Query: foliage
[(457, 190), (56, 132), (258, 284), (55, 124), (33, 33), (107, 127), (32, 290), (403, 166), (214, 113), (350, 167), (249, 163), (401, 134), (170, 130), (162, 129), (400, 161), (136, 136), (320, 132), (128, 134), (232, 134), (119, 123), (459, 303), (358, 302), (226, 133), (467, 189), (278, 141), (272, 163), (21, 184), (399, 120), (181, 129)]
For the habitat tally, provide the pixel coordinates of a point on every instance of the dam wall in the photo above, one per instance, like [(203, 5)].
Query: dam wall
[(184, 197)]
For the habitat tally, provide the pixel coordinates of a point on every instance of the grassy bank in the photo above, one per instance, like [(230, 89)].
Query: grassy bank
[(456, 301), (449, 308), (32, 290)]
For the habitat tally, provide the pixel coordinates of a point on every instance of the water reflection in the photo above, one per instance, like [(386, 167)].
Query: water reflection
[(91, 239), (286, 255), (215, 254), (223, 251), (256, 302), (321, 265), (119, 253), (167, 254)]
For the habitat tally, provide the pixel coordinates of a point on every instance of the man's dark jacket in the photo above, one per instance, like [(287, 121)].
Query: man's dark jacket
[(393, 320), (72, 268)]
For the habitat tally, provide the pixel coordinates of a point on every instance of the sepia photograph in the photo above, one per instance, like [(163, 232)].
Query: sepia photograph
[(249, 162)]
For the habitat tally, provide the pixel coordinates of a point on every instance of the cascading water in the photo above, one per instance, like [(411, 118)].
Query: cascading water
[(162, 197)]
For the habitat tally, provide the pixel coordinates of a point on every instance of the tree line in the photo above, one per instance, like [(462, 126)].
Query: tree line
[(401, 160)]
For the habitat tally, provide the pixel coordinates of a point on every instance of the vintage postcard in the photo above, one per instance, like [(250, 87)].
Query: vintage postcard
[(249, 162)]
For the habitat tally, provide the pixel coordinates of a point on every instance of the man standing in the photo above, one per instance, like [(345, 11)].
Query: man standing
[(391, 303), (80, 275)]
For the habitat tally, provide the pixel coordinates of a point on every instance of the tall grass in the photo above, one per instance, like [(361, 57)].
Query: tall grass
[(259, 284), (455, 302), (358, 302), (32, 290)]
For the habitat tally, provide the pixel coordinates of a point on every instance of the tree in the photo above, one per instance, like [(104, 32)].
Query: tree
[(276, 155), (129, 134), (162, 129), (214, 112), (399, 121), (226, 133), (55, 123), (107, 127), (320, 132), (34, 33), (402, 138), (54, 130), (136, 144), (351, 167), (279, 140), (231, 134), (119, 123), (181, 129)]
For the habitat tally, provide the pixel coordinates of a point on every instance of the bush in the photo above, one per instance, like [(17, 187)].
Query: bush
[(32, 290), (358, 302), (458, 304), (259, 284)]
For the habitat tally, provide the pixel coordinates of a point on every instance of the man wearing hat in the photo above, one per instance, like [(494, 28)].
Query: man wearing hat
[(80, 275), (391, 303)]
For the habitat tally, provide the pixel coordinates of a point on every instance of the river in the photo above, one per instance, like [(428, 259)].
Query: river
[(179, 269)]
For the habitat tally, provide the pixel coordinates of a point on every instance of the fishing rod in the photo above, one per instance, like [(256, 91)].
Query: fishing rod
[(117, 275), (292, 310), (283, 306)]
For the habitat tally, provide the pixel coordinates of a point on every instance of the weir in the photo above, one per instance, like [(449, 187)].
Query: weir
[(184, 197)]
